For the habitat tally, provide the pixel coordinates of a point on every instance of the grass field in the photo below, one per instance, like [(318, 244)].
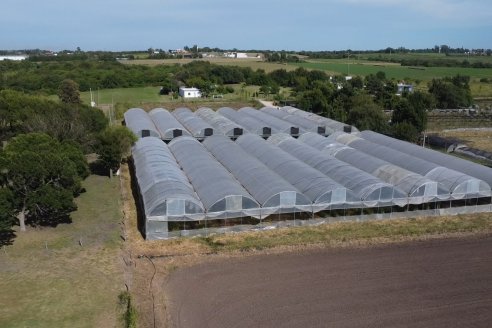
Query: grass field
[(47, 279), (254, 63), (352, 67), (424, 56)]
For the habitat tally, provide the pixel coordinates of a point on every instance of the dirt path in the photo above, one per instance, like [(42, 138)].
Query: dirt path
[(437, 283)]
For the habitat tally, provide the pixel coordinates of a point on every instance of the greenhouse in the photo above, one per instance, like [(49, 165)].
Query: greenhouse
[(328, 122), (458, 184), (221, 124), (278, 125), (418, 188), (139, 122), (273, 192), (297, 120), (221, 194), (165, 192), (475, 170), (321, 190), (251, 124), (369, 189), (167, 124), (198, 128)]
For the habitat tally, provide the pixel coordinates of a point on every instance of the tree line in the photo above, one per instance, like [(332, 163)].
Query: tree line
[(43, 160)]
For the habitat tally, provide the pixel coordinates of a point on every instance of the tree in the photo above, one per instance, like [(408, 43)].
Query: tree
[(112, 145), (365, 114), (42, 178), (451, 93), (7, 215), (68, 92)]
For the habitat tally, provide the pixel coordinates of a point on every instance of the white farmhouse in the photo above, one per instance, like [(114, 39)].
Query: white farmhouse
[(189, 92)]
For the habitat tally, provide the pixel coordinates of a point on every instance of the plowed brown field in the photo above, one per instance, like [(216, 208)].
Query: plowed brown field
[(436, 283)]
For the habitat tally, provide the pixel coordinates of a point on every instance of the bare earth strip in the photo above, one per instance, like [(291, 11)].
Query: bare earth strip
[(433, 283)]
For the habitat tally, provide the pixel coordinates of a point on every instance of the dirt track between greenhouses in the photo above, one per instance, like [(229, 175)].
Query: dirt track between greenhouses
[(435, 283)]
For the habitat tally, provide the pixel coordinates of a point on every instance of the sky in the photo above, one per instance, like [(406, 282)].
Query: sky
[(249, 24)]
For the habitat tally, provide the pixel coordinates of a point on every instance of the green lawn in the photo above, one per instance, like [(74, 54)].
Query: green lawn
[(48, 280)]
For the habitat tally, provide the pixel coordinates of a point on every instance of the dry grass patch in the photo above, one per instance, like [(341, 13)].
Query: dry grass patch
[(47, 279)]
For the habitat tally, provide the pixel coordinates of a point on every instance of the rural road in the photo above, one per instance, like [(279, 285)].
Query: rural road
[(438, 283)]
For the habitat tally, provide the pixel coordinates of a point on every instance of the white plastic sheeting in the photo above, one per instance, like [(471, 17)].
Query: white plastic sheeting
[(195, 125), (328, 122), (304, 123), (369, 189), (166, 193), (278, 125), (139, 122), (274, 193), (220, 123), (220, 193), (475, 170), (418, 188), (167, 124), (458, 184), (251, 124), (321, 190)]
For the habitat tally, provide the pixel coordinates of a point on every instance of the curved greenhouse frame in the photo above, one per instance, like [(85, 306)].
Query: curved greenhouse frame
[(278, 125), (166, 193), (220, 123), (274, 194), (251, 124), (369, 189), (458, 184), (195, 125), (419, 189), (304, 123), (475, 170), (140, 123), (167, 124), (221, 194), (321, 190), (328, 122)]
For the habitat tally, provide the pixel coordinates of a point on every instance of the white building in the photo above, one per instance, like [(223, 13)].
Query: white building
[(13, 57), (189, 92)]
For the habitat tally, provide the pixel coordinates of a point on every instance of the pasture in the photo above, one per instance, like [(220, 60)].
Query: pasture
[(71, 275), (254, 63), (392, 70)]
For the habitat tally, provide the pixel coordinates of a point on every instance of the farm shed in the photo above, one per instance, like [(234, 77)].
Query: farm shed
[(221, 194), (165, 192), (328, 122), (278, 125), (300, 121), (251, 124), (167, 124), (220, 123), (475, 170), (419, 189), (369, 189), (321, 190), (458, 184), (139, 122), (198, 128), (273, 192), (189, 92)]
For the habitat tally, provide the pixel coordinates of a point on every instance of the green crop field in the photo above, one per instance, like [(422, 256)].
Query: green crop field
[(423, 56), (108, 96), (351, 67)]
